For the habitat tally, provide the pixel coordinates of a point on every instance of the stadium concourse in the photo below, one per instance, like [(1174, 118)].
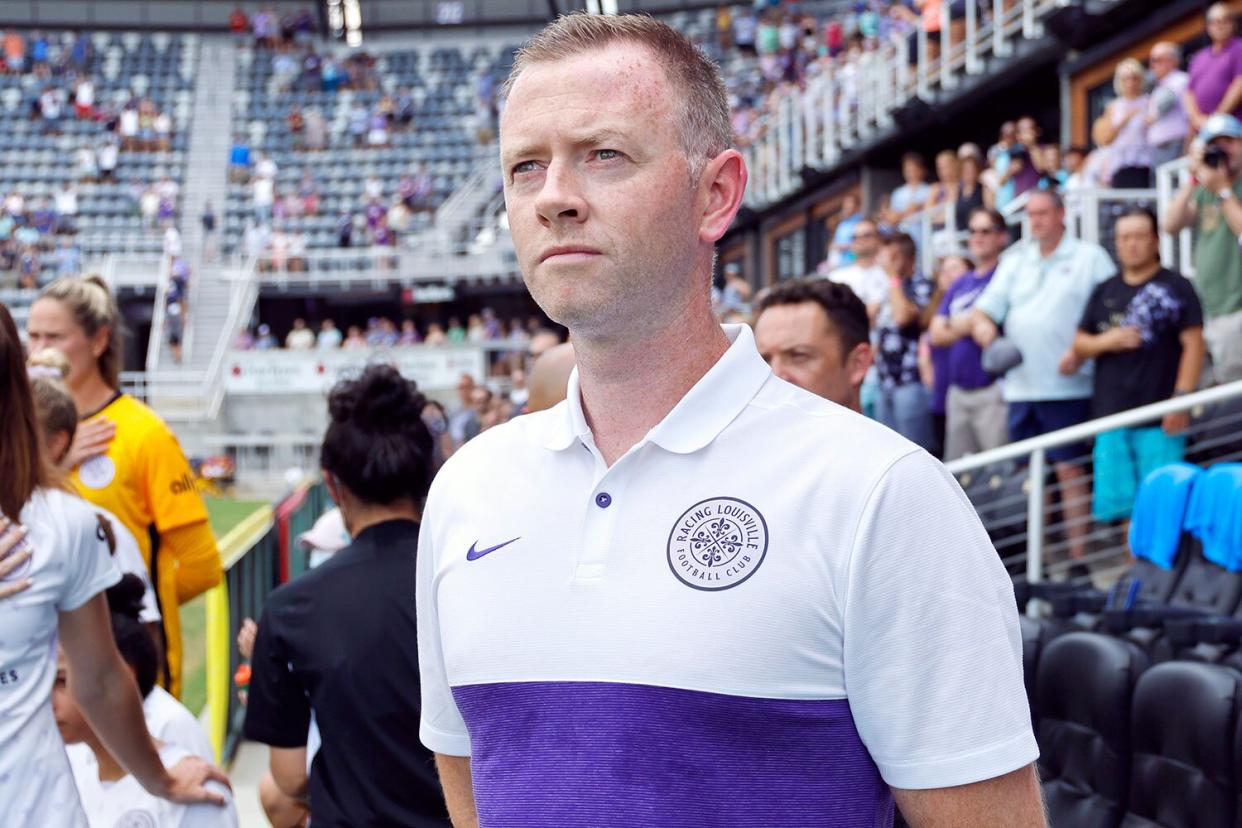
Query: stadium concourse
[(1002, 233)]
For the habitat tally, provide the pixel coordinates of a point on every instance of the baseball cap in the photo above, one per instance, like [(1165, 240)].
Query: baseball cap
[(1220, 125), (1001, 357), (327, 534)]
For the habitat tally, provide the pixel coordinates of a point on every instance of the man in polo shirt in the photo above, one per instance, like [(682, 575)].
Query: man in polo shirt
[(1038, 293), (1216, 70), (645, 605)]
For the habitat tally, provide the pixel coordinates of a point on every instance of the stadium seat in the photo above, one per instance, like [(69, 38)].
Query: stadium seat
[(1084, 685), (1184, 739), (1158, 545)]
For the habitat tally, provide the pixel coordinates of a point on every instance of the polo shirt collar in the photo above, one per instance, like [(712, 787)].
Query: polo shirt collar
[(706, 409)]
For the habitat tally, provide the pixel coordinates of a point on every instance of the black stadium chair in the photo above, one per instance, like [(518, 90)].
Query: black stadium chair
[(1185, 729), (1084, 684)]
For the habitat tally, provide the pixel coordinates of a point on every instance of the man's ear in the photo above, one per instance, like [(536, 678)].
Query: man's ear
[(723, 183)]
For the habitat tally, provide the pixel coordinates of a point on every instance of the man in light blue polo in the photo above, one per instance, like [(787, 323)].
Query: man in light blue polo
[(1038, 293)]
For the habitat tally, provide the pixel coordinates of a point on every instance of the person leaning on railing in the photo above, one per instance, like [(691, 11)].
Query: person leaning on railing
[(1211, 202), (124, 457)]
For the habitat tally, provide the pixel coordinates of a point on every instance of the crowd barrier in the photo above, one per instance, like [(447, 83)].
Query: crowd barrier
[(259, 555)]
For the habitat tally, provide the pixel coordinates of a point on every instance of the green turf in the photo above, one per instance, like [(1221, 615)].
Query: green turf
[(224, 513)]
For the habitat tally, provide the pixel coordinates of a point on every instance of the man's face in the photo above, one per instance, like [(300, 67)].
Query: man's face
[(1220, 23), (465, 389), (802, 347), (1138, 246), (1073, 161), (1028, 132), (600, 204), (895, 262), (912, 171), (866, 241), (1046, 218), (1162, 61), (986, 241)]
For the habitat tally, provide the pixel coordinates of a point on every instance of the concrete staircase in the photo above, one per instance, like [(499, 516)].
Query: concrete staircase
[(186, 392), (206, 182)]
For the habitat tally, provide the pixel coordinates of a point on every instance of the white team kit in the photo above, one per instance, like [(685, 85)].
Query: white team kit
[(128, 559), (126, 804), (69, 566), (767, 612)]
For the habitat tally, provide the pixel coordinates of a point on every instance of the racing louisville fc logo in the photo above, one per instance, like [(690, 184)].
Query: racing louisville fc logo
[(717, 543)]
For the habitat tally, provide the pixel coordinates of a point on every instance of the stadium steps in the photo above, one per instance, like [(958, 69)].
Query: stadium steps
[(207, 158)]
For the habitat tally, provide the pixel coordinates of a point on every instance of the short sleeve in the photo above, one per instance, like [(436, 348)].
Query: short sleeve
[(90, 567), (172, 495), (442, 728), (994, 301), (946, 302), (1192, 314), (933, 654), (1091, 312), (277, 710)]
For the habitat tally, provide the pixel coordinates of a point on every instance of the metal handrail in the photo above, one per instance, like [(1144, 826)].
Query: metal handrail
[(1175, 249), (156, 340), (1036, 448)]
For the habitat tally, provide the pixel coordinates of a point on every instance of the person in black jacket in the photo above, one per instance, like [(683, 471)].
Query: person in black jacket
[(336, 655)]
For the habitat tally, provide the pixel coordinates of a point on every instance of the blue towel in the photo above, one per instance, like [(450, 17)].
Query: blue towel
[(1160, 511), (1213, 516)]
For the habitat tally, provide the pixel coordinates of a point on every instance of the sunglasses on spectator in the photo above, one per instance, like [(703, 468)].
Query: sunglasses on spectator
[(983, 231)]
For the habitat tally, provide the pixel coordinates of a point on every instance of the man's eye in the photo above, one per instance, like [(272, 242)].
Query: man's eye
[(607, 154), (523, 167)]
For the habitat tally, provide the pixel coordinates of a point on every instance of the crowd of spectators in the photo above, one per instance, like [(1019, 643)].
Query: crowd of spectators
[(383, 332), (36, 231)]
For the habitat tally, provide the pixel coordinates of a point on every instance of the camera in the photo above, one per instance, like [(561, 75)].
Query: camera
[(1215, 157)]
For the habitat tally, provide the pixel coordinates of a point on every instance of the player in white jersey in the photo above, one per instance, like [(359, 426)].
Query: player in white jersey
[(67, 567), (693, 594)]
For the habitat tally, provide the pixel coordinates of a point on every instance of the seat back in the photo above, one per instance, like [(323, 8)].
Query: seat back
[(1160, 511), (1084, 683), (1184, 726), (1207, 586)]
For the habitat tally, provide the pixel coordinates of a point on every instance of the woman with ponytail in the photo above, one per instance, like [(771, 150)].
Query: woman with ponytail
[(123, 456), (67, 567), (338, 644)]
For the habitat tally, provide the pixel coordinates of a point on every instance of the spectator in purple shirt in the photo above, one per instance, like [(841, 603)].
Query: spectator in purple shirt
[(976, 417), (375, 213), (1216, 71)]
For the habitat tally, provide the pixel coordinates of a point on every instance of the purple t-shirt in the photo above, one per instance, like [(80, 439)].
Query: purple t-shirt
[(964, 366), (1212, 72)]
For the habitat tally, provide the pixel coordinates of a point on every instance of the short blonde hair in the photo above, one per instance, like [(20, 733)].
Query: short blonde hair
[(706, 129), (93, 307), (1126, 66)]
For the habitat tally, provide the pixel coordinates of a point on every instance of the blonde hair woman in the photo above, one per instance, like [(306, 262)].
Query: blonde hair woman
[(123, 457), (1123, 128)]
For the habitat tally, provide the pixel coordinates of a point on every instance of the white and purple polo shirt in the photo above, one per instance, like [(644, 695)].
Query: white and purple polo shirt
[(764, 614)]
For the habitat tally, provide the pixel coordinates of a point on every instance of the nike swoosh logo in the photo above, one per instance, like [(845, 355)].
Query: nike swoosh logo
[(475, 554)]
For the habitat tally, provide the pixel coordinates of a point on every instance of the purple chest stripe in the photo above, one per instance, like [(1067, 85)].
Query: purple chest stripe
[(601, 755)]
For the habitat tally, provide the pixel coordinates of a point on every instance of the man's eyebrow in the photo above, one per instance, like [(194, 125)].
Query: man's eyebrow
[(588, 139)]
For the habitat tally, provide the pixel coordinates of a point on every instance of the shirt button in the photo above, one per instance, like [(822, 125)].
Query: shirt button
[(603, 500)]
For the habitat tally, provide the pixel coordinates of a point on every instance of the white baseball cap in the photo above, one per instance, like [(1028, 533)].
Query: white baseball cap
[(327, 534)]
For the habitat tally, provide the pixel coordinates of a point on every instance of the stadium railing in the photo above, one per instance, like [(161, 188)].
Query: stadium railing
[(1176, 250), (845, 107), (259, 555), (1034, 547)]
